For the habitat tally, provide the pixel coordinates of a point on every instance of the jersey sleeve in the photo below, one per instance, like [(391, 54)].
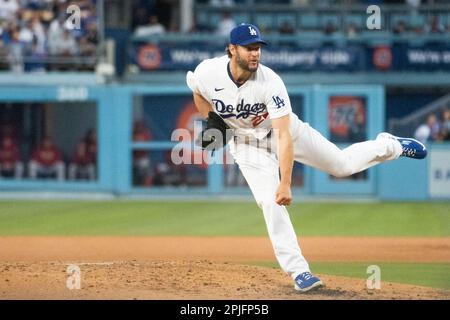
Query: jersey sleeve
[(277, 99), (195, 80)]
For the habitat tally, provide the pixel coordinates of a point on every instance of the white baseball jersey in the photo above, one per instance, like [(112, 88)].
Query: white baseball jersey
[(248, 108)]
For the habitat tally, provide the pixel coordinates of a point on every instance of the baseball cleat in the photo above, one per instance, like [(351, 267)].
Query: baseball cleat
[(411, 148), (306, 281)]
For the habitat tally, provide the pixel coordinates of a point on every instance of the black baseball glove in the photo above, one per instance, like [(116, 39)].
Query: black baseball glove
[(214, 135)]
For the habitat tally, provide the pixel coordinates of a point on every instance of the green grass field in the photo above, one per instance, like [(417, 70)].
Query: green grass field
[(435, 275), (176, 218), (220, 218)]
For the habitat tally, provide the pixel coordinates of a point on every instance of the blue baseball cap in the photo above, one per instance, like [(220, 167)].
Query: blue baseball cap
[(245, 34)]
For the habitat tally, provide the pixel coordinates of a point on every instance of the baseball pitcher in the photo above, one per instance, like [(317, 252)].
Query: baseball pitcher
[(235, 92)]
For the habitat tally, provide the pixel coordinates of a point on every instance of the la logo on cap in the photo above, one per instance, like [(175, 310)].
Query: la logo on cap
[(252, 31)]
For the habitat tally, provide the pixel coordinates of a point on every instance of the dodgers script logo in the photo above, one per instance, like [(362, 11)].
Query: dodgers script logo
[(242, 110)]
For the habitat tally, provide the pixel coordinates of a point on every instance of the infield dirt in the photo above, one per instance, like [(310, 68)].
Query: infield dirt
[(199, 267)]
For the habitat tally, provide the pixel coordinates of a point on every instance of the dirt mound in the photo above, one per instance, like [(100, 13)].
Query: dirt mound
[(166, 280), (198, 267)]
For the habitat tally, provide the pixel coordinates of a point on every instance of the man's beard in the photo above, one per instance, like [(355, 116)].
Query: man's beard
[(245, 65)]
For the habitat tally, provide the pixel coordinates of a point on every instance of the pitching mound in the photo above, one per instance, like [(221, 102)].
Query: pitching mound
[(198, 268), (183, 280)]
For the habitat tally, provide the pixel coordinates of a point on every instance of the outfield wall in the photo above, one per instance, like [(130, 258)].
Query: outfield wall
[(331, 109)]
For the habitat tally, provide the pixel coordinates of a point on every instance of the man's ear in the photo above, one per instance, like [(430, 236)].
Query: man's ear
[(232, 49)]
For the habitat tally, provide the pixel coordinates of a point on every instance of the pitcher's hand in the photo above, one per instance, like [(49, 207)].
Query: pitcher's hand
[(283, 196)]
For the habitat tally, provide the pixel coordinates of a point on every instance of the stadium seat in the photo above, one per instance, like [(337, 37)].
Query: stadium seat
[(330, 18), (355, 19), (417, 20), (265, 21), (309, 21), (285, 17), (395, 18), (241, 17)]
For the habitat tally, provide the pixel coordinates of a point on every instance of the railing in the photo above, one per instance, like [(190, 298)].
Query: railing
[(47, 62), (300, 37), (406, 125)]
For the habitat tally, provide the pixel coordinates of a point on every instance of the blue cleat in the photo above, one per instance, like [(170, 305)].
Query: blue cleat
[(412, 148), (306, 282)]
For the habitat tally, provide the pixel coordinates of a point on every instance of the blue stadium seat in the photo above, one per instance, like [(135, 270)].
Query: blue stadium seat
[(202, 18), (330, 18), (309, 21), (357, 19), (286, 17), (265, 21), (417, 20), (241, 17), (395, 18), (444, 19), (214, 20)]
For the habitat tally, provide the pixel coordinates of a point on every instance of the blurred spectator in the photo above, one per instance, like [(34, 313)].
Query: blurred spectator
[(428, 131), (445, 125), (32, 29), (400, 27), (141, 12), (46, 161), (82, 165), (10, 163), (37, 57), (168, 173), (168, 13), (200, 27), (89, 41), (64, 46), (418, 29), (152, 28), (141, 158), (8, 9), (55, 30), (8, 128), (26, 36), (16, 53), (39, 35), (330, 28), (435, 26), (351, 31), (91, 144), (226, 24), (286, 28)]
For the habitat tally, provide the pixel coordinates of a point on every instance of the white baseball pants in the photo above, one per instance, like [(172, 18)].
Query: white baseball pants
[(260, 168)]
